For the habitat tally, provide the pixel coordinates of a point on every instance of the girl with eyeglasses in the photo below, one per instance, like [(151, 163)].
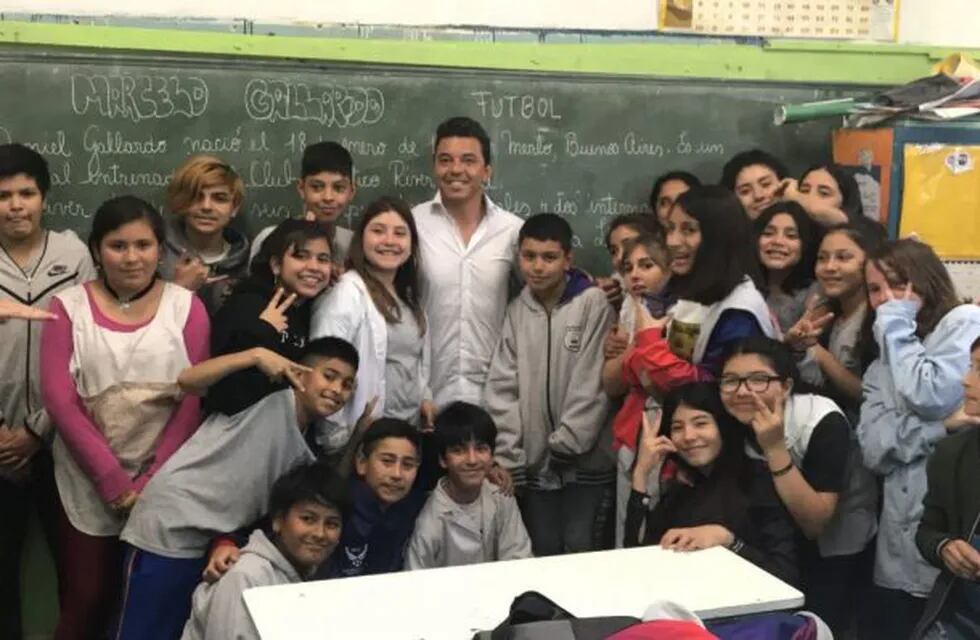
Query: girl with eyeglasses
[(806, 442), (709, 492), (923, 334)]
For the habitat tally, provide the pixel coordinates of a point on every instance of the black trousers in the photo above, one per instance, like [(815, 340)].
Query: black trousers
[(38, 493)]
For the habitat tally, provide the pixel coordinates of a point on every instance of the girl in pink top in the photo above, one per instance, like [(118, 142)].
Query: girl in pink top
[(109, 382)]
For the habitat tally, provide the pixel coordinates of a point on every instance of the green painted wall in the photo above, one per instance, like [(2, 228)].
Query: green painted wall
[(778, 60)]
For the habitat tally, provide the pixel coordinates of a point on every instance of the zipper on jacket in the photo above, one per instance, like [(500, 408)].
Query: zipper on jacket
[(547, 375)]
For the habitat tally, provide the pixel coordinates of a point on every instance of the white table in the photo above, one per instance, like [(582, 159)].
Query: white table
[(454, 603)]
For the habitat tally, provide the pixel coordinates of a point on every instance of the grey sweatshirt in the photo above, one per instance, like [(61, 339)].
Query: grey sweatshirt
[(63, 262), (234, 264), (544, 389), (219, 480), (218, 610), (448, 534)]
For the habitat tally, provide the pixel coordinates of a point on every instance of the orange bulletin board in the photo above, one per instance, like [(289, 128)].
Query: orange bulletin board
[(870, 153)]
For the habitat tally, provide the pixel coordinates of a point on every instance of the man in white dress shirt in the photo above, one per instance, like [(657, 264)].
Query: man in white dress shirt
[(468, 250)]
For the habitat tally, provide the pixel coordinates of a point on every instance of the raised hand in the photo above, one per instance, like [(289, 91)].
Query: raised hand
[(959, 419), (190, 271), (275, 312), (768, 424), (645, 319), (278, 367), (807, 330), (616, 342), (612, 289)]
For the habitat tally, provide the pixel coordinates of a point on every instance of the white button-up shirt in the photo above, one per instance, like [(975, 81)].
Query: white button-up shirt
[(465, 295)]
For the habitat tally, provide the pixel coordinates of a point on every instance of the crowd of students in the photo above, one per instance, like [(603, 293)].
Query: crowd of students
[(191, 415)]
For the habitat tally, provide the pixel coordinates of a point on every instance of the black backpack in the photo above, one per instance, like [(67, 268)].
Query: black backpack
[(535, 617)]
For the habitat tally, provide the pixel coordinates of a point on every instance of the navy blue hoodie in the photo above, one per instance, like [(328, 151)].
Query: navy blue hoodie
[(373, 540)]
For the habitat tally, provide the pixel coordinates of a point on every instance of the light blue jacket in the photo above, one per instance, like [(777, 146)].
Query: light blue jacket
[(908, 391)]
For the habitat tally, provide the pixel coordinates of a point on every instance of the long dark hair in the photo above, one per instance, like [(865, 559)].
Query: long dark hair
[(868, 235), (724, 258), (847, 185), (801, 274), (908, 261), (407, 276), (730, 465)]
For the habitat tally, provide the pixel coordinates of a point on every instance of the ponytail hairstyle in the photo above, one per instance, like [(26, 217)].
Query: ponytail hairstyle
[(912, 262), (407, 276)]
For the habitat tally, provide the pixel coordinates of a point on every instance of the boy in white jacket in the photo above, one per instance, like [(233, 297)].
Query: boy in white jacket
[(305, 506), (466, 520)]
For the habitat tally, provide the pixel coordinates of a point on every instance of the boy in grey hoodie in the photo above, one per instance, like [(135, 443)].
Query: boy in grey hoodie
[(305, 508), (466, 520), (35, 264), (544, 392), (203, 252)]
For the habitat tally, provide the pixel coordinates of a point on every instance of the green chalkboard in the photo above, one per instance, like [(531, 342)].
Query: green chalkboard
[(584, 147)]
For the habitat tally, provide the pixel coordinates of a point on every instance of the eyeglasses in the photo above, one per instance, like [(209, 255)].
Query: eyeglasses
[(755, 382)]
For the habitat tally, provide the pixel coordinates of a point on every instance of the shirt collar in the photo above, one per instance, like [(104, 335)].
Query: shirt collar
[(488, 204)]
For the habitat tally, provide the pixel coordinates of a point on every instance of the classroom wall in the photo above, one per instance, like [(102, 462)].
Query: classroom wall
[(929, 22)]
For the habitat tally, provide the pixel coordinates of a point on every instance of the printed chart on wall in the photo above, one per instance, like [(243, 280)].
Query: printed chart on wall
[(851, 19)]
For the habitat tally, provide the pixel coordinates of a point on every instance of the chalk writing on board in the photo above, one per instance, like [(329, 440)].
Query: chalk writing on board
[(60, 173), (266, 174), (328, 105), (537, 147), (407, 147), (574, 148), (54, 147), (402, 176), (99, 141), (66, 209), (4, 136), (217, 144), (115, 176), (610, 205), (634, 145), (363, 180), (139, 97), (699, 147), (512, 203), (266, 211), (526, 107), (364, 147)]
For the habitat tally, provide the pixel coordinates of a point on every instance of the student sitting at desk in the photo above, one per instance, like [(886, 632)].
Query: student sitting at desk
[(466, 520), (711, 494), (305, 507), (220, 479)]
